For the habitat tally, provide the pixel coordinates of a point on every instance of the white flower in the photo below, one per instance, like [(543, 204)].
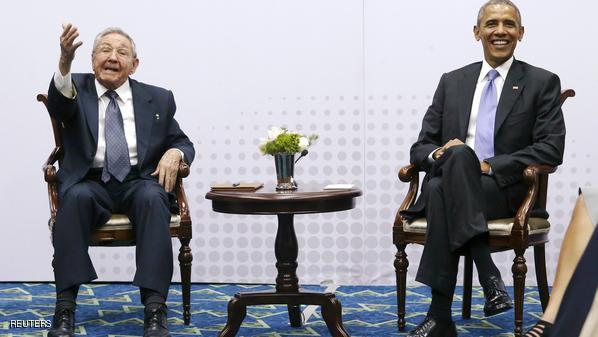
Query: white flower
[(303, 143), (262, 145), (274, 132)]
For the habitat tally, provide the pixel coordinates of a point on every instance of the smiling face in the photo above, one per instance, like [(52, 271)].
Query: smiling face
[(499, 30), (113, 60)]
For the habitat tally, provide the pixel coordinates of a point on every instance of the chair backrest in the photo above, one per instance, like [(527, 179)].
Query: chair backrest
[(56, 126), (543, 182)]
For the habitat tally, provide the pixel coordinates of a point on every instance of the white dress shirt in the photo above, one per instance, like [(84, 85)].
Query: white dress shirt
[(125, 102), (499, 82)]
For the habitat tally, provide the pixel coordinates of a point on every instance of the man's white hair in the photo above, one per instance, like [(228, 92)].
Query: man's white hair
[(113, 30)]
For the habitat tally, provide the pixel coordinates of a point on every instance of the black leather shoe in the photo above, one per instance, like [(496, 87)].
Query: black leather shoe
[(155, 323), (63, 324), (430, 327), (497, 298)]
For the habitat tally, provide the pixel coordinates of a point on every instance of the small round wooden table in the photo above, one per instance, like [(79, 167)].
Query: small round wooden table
[(267, 201)]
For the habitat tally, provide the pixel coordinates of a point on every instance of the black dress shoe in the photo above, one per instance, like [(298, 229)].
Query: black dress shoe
[(431, 327), (497, 298), (63, 324), (155, 323)]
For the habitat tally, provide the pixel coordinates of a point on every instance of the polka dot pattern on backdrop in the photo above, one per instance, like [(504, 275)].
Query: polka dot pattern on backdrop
[(364, 140)]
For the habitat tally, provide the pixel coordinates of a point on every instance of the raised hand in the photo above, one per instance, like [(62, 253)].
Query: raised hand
[(68, 46)]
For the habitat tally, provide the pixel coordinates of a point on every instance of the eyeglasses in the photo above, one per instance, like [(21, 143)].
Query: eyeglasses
[(107, 50)]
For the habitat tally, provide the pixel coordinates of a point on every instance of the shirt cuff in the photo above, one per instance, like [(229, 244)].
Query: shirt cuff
[(431, 156), (490, 173), (64, 84)]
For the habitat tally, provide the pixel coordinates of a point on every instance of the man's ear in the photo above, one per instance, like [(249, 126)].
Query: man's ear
[(135, 65), (476, 33), (521, 31)]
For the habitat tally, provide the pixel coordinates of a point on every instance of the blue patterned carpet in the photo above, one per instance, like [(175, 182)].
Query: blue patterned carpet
[(115, 310)]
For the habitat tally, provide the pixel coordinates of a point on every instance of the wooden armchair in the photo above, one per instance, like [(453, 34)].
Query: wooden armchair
[(516, 233), (118, 231)]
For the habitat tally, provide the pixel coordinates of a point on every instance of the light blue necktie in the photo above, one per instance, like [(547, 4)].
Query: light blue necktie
[(117, 161), (484, 130)]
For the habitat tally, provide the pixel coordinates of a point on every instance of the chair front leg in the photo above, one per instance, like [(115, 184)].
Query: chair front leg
[(401, 263), (467, 286), (519, 270), (541, 279), (185, 259)]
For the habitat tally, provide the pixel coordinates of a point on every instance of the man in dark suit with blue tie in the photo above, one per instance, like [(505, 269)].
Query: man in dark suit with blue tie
[(487, 122), (122, 150)]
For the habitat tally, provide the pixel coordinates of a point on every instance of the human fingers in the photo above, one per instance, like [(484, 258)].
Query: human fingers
[(169, 181), (65, 28), (452, 143), (70, 38), (161, 177), (68, 42), (68, 31)]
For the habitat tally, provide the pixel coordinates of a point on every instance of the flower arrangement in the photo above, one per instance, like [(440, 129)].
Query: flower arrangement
[(282, 140)]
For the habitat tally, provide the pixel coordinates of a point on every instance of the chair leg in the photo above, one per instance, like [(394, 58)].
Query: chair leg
[(467, 283), (519, 270), (185, 259), (401, 263), (540, 260)]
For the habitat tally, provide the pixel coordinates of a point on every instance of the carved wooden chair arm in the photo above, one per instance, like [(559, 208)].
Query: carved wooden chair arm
[(180, 192), (49, 167), (409, 174), (183, 170), (531, 177), (51, 178), (536, 169)]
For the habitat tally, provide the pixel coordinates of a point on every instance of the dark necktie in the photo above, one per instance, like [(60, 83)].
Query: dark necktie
[(484, 130), (116, 162)]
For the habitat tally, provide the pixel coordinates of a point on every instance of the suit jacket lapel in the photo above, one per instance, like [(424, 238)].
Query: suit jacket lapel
[(89, 101), (144, 118), (510, 92), (466, 92)]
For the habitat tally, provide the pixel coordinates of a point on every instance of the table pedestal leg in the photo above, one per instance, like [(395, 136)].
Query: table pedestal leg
[(287, 292), (236, 313), (286, 251)]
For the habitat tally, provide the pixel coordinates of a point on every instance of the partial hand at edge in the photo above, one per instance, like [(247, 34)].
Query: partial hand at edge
[(485, 167), (68, 47), (446, 146), (167, 169)]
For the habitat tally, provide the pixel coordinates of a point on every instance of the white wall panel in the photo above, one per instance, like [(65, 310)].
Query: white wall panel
[(360, 73)]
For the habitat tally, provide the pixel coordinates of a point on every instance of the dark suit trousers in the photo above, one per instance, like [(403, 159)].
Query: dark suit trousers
[(459, 200), (89, 204)]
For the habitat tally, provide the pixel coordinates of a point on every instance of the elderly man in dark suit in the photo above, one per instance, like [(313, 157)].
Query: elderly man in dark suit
[(487, 122), (122, 150)]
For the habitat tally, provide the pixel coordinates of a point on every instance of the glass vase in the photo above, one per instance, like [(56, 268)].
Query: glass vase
[(285, 165)]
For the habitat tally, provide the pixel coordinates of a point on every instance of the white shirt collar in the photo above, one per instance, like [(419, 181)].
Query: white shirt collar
[(124, 91), (502, 69)]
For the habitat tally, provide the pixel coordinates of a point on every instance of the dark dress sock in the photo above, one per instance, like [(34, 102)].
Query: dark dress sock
[(480, 253), (440, 308), (67, 299), (149, 296)]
